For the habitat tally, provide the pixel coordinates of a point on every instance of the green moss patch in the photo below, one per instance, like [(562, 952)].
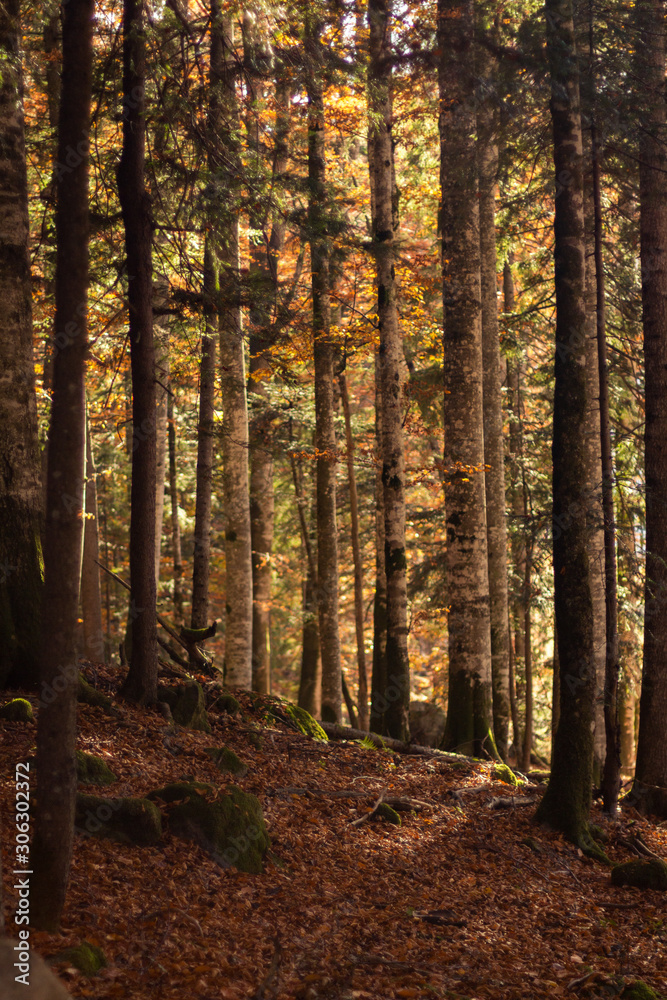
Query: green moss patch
[(91, 770), (231, 828), (85, 957), (89, 695), (180, 791), (187, 704), (644, 873), (501, 772), (385, 812), (132, 821), (17, 710), (300, 719), (639, 991), (227, 762), (226, 703)]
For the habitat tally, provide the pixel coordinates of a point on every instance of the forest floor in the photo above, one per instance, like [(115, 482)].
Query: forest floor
[(460, 901)]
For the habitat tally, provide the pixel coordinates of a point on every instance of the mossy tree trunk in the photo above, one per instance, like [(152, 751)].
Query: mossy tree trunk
[(56, 733), (650, 786), (20, 479), (469, 727), (567, 800)]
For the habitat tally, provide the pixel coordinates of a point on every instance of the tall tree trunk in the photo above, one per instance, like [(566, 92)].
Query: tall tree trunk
[(20, 480), (205, 439), (517, 542), (356, 556), (238, 543), (379, 671), (91, 592), (56, 731), (469, 715), (650, 786), (494, 458), (141, 682), (381, 165), (528, 663), (177, 558), (567, 800), (162, 382), (325, 435), (310, 678), (626, 712)]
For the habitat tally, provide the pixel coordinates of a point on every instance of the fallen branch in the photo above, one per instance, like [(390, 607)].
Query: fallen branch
[(337, 732), (399, 803), (509, 802), (367, 816)]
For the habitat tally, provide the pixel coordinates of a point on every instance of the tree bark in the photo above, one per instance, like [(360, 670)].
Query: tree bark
[(238, 544), (162, 381), (91, 592), (56, 730), (20, 479), (141, 682), (205, 440), (379, 670), (567, 800), (325, 434), (177, 558), (356, 556), (494, 457), (650, 785), (310, 677), (469, 716), (381, 165)]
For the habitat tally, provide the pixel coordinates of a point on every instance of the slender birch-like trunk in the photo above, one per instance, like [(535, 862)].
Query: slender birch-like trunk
[(177, 558), (91, 591), (52, 845), (20, 482), (396, 693), (469, 716)]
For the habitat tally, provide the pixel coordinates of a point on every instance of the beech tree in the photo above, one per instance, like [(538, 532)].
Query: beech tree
[(469, 715), (63, 537), (20, 482)]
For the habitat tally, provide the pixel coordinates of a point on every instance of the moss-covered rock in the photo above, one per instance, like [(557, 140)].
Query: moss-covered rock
[(132, 821), (301, 720), (91, 770), (384, 811), (179, 791), (639, 991), (231, 828), (17, 710), (187, 705), (501, 772), (643, 873), (227, 762), (539, 777), (89, 695), (85, 957), (226, 703)]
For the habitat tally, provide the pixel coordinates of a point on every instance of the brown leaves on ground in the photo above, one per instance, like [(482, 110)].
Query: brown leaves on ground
[(460, 901)]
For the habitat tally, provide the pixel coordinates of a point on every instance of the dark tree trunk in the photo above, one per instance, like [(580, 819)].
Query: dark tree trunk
[(379, 671), (141, 682), (177, 594), (325, 435), (310, 678), (567, 800), (469, 727), (205, 439), (396, 694), (20, 479), (650, 786), (56, 733), (91, 591)]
